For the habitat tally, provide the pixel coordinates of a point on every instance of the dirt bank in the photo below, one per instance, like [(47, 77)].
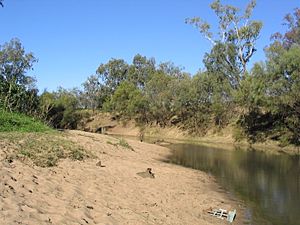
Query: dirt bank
[(105, 123), (222, 139), (83, 192)]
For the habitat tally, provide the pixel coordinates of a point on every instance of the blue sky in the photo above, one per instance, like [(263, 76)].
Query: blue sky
[(71, 37)]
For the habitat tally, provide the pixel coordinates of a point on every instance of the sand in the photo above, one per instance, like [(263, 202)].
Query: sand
[(83, 192)]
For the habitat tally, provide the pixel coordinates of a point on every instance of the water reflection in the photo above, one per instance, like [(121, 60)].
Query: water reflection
[(270, 184)]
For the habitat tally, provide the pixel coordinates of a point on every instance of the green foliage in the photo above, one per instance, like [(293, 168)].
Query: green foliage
[(141, 70), (271, 98), (127, 101), (166, 95), (226, 62), (237, 33), (17, 91), (144, 92), (159, 95), (258, 125), (113, 73), (58, 108), (67, 101), (222, 63), (250, 95), (292, 36), (91, 95), (283, 94), (18, 122), (192, 103)]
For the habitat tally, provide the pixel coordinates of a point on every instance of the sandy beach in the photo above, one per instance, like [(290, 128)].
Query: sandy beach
[(111, 192)]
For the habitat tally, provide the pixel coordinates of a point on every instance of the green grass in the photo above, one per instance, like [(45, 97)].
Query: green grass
[(18, 122)]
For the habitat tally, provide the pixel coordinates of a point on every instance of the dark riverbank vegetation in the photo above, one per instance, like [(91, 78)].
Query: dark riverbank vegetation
[(262, 102)]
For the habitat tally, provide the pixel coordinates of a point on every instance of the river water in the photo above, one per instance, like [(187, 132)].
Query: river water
[(268, 184)]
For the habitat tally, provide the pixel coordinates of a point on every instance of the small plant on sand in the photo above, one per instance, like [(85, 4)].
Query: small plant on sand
[(77, 154), (110, 143), (122, 142)]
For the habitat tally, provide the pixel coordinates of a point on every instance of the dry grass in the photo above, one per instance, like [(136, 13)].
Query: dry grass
[(42, 149), (121, 142)]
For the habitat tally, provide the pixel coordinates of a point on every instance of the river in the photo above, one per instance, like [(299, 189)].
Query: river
[(268, 184)]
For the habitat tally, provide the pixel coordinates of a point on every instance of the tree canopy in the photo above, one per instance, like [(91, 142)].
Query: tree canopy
[(17, 89), (237, 33)]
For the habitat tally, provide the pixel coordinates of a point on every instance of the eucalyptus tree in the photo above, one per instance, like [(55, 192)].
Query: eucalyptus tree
[(233, 45), (236, 37), (159, 96), (14, 81), (113, 73), (91, 92), (282, 92), (110, 76), (141, 70), (128, 102), (271, 93), (292, 35)]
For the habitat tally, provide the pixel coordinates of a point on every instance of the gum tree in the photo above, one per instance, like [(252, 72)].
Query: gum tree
[(237, 34), (14, 81)]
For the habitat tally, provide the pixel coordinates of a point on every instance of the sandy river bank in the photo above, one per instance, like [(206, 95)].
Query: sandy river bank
[(82, 192)]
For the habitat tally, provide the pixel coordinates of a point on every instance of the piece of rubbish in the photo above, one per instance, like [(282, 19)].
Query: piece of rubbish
[(223, 214), (147, 173), (100, 164)]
